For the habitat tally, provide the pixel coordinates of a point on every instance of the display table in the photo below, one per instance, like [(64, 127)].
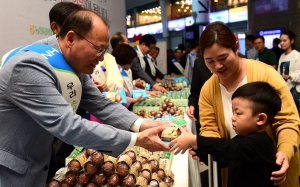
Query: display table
[(185, 169)]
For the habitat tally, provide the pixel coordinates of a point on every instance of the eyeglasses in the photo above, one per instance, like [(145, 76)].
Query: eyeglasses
[(99, 50)]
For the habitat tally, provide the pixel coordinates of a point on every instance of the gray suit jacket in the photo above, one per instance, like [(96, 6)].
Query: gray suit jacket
[(138, 72), (33, 112)]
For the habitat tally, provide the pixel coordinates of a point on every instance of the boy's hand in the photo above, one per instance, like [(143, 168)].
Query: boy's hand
[(185, 141)]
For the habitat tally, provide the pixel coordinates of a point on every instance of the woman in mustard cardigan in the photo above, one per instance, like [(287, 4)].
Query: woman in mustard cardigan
[(220, 50)]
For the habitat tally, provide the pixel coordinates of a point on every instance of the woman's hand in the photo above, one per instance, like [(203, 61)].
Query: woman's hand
[(138, 99), (190, 112), (101, 86), (282, 160), (286, 77)]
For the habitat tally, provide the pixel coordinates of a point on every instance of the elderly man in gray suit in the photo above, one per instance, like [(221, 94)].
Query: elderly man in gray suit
[(38, 99)]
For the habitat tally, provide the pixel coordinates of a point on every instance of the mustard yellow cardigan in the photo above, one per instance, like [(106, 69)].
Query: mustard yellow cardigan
[(284, 131)]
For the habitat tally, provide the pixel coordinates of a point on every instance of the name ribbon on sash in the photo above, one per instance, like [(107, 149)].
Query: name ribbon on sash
[(127, 80), (178, 66), (69, 82)]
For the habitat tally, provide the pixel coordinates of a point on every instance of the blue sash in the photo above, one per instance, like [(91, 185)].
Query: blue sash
[(70, 84)]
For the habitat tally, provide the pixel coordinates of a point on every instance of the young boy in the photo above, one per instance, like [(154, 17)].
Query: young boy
[(250, 155)]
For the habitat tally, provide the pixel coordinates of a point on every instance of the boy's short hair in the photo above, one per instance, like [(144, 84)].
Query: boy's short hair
[(264, 97)]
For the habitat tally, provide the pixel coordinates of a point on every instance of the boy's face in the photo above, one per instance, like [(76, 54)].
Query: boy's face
[(243, 122)]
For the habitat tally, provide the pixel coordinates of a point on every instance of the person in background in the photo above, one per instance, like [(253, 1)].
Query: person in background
[(170, 55), (276, 49), (154, 54), (120, 38), (289, 64), (185, 51), (158, 76), (140, 63), (192, 56), (44, 113), (174, 66), (124, 55), (250, 154), (220, 51), (264, 54), (251, 52)]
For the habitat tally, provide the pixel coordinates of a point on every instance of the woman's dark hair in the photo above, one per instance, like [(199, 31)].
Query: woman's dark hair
[(80, 21), (218, 32), (124, 54), (61, 11), (264, 97), (291, 36)]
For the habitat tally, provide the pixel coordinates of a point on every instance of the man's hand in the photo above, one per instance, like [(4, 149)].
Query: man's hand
[(139, 83), (149, 124), (184, 142), (159, 88), (190, 112), (149, 139), (158, 80), (282, 160), (168, 78), (101, 86)]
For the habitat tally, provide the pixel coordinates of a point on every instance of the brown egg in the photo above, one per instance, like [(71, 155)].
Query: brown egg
[(152, 113), (91, 185), (88, 152), (53, 183), (153, 165), (165, 113), (114, 180), (132, 155), (83, 178), (161, 173), (158, 116), (99, 179), (108, 168), (144, 160), (129, 181), (168, 109), (168, 181), (90, 167), (164, 106), (161, 109), (74, 166), (65, 185), (173, 85), (170, 104), (146, 174), (138, 165), (172, 111), (70, 178), (118, 98), (167, 100), (142, 112), (97, 158), (122, 169)]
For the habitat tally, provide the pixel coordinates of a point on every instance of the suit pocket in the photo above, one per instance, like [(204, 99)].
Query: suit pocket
[(13, 162)]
